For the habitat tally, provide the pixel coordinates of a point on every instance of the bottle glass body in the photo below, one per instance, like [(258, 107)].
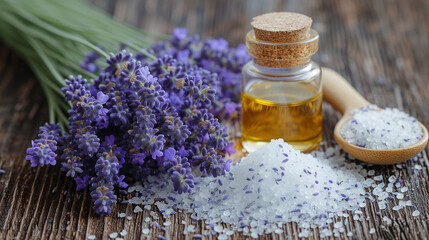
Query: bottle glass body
[(281, 103)]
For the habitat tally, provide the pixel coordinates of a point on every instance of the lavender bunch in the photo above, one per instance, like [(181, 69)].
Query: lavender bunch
[(143, 116)]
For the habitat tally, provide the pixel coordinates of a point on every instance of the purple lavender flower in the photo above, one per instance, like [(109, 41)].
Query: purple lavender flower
[(42, 150)]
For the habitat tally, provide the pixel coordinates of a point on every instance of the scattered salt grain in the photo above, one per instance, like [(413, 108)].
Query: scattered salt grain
[(168, 223), (137, 209), (415, 213), (418, 167), (147, 219), (389, 128), (400, 196), (91, 237), (404, 189), (123, 233), (146, 231), (378, 178), (387, 220), (222, 237), (129, 217), (397, 208), (122, 215), (372, 231), (113, 235)]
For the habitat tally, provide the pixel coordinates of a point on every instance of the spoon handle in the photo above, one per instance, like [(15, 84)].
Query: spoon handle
[(339, 93)]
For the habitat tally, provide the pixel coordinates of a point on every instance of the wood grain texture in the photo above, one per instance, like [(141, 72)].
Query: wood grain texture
[(381, 47)]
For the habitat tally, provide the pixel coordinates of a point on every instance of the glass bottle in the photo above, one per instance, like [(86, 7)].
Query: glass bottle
[(281, 93)]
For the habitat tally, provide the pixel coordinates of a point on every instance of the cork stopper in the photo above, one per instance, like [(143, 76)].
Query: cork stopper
[(281, 27), (282, 39)]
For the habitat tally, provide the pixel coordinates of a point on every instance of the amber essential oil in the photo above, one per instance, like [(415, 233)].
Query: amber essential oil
[(272, 110)]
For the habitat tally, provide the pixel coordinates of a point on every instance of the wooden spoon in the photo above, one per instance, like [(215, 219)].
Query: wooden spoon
[(343, 97)]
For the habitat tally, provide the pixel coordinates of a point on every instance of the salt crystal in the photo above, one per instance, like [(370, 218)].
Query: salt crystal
[(129, 217), (397, 208), (121, 215), (392, 179), (415, 213), (400, 196), (183, 222), (371, 172), (418, 167), (387, 220), (147, 219), (91, 237), (404, 189), (372, 231), (338, 224), (145, 231), (123, 233), (378, 178), (218, 228), (389, 128), (350, 234), (222, 237), (409, 203), (168, 223), (113, 235), (137, 209)]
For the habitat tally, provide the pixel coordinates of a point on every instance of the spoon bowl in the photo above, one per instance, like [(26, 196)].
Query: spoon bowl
[(343, 97)]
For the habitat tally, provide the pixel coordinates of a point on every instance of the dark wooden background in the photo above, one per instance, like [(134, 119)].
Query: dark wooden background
[(382, 47)]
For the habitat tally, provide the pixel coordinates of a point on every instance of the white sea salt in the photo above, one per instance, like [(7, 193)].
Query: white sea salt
[(378, 178), (123, 233), (283, 185), (91, 237), (122, 215), (372, 231), (388, 128), (113, 235), (137, 209), (415, 213), (392, 179)]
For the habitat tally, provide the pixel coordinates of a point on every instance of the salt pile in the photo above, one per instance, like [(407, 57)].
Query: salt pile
[(277, 185), (384, 129)]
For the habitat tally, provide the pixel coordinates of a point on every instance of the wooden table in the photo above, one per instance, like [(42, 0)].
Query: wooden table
[(382, 47)]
